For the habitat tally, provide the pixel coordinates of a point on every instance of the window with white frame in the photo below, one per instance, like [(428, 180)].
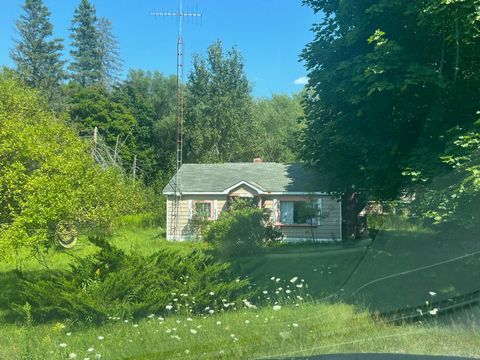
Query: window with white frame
[(299, 212), (203, 210)]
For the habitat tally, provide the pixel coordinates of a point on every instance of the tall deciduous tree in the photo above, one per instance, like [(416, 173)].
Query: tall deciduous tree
[(151, 99), (87, 66), (280, 119), (37, 56), (388, 79), (219, 121)]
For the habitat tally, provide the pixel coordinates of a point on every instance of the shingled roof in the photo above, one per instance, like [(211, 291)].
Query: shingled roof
[(266, 176)]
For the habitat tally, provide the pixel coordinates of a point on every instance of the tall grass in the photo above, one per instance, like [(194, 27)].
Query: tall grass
[(290, 330)]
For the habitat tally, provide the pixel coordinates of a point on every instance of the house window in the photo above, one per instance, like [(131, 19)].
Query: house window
[(299, 213), (203, 210)]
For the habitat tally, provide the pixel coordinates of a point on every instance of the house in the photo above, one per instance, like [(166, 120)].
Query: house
[(299, 205)]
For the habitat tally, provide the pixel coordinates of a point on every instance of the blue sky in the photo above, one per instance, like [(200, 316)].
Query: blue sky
[(269, 33)]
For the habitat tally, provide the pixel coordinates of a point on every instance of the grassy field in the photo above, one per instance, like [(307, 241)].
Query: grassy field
[(245, 333)]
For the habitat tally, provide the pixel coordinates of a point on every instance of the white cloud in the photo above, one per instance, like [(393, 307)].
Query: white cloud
[(301, 81)]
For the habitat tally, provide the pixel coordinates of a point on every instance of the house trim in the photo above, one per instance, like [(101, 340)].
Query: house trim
[(243, 182)]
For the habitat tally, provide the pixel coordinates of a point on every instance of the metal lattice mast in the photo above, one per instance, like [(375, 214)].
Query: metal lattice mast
[(173, 228)]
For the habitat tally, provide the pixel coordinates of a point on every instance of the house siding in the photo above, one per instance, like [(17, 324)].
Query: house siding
[(329, 229)]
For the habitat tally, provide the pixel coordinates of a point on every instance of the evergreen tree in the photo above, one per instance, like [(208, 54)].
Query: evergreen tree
[(87, 66), (112, 64), (36, 56)]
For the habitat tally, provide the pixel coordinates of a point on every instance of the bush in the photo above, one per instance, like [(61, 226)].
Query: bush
[(112, 283), (48, 178), (241, 231)]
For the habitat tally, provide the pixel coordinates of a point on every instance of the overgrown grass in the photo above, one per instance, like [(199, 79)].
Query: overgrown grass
[(245, 333), (396, 222)]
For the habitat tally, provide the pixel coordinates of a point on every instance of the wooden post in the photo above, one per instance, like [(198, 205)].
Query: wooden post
[(115, 154), (134, 167)]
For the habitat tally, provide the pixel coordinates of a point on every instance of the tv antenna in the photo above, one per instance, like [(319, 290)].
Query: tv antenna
[(172, 227)]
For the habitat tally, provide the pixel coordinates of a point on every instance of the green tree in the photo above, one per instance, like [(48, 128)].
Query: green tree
[(219, 121), (453, 197), (36, 55), (387, 80), (112, 64), (49, 180), (151, 99), (87, 66), (94, 106), (280, 120)]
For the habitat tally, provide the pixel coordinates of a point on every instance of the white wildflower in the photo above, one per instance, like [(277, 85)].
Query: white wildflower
[(272, 278), (101, 337), (292, 280), (211, 293), (72, 356), (433, 311), (90, 349), (276, 307), (63, 345), (68, 334), (125, 321), (247, 321), (288, 291), (299, 285), (169, 307), (277, 280), (432, 293), (189, 319), (98, 356), (151, 316), (219, 323), (193, 331), (135, 325), (295, 325), (265, 291)]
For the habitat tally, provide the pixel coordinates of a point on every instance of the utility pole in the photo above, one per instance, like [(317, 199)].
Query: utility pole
[(180, 15)]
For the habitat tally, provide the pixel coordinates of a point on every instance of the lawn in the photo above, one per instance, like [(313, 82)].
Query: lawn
[(311, 327), (401, 268), (245, 333), (324, 271)]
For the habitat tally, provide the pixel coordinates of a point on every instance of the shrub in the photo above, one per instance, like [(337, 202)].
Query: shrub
[(119, 284), (48, 177), (241, 231)]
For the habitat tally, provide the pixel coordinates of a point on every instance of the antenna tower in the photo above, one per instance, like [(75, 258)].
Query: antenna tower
[(172, 227)]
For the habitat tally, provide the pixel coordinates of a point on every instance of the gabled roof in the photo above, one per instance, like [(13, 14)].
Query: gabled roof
[(267, 177)]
